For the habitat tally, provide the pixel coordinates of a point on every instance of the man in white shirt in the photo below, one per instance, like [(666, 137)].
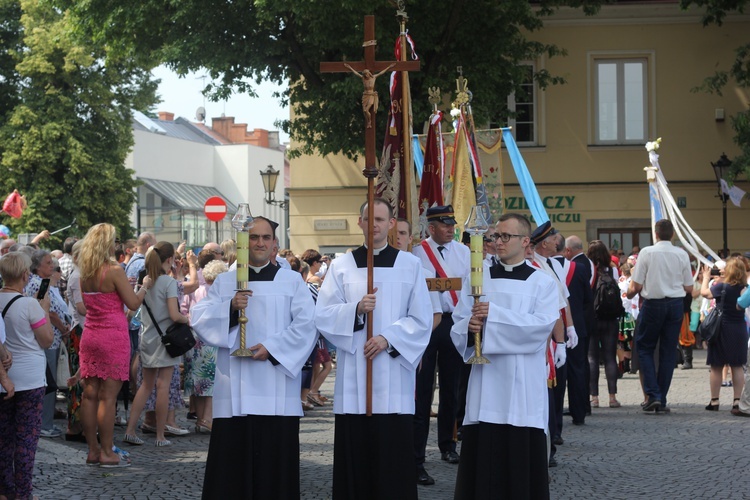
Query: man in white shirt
[(662, 276), (443, 257)]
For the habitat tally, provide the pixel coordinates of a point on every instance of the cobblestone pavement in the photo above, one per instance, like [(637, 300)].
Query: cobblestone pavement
[(620, 454)]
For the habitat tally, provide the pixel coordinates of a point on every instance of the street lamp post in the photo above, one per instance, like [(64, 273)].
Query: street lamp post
[(270, 176), (721, 169)]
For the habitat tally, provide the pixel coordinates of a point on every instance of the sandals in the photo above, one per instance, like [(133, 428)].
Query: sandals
[(736, 404), (132, 439), (595, 401), (112, 465), (314, 400), (613, 403), (162, 443), (307, 406), (320, 396), (202, 426), (713, 407)]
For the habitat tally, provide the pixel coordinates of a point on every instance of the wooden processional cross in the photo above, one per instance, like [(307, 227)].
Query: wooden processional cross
[(368, 70)]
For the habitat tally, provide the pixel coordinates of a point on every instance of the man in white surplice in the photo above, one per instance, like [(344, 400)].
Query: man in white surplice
[(504, 440), (373, 455), (254, 448)]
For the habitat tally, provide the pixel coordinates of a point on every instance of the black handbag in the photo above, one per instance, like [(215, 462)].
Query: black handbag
[(710, 328), (179, 338)]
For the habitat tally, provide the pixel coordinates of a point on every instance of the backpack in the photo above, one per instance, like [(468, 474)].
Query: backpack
[(607, 300)]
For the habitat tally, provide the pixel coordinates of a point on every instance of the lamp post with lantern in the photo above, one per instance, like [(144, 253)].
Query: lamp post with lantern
[(270, 176), (721, 169)]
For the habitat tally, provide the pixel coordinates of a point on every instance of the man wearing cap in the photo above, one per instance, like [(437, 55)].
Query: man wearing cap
[(541, 248), (443, 258), (372, 455), (504, 447), (662, 277), (254, 447)]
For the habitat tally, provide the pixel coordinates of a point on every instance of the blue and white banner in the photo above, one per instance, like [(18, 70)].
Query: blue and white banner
[(524, 179)]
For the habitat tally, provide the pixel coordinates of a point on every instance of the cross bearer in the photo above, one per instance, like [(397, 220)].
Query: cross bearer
[(372, 455)]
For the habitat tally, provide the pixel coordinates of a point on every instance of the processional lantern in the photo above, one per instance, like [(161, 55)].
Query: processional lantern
[(242, 222), (476, 225)]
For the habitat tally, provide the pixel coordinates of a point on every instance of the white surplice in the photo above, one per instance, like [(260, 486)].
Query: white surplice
[(280, 316), (512, 389), (403, 315)]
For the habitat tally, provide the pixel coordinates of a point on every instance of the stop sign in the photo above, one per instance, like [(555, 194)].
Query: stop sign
[(215, 209)]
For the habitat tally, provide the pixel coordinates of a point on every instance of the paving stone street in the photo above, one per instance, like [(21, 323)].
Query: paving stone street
[(619, 454)]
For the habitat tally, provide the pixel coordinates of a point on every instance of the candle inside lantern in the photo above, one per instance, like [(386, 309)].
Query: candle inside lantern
[(476, 259), (243, 257), (242, 222)]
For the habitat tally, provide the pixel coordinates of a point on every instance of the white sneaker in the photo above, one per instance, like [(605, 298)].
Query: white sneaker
[(175, 431), (52, 433)]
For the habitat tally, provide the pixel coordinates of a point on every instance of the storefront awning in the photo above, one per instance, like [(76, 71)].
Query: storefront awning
[(186, 196)]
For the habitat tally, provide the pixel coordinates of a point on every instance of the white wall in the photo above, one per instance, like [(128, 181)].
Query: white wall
[(233, 169), (157, 156), (237, 175)]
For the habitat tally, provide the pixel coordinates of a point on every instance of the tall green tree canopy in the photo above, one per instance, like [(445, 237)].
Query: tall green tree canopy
[(65, 121), (245, 41)]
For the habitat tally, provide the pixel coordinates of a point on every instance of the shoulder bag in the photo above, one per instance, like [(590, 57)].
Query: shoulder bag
[(710, 328), (63, 367), (179, 338)]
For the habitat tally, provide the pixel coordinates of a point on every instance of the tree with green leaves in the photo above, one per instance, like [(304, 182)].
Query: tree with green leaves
[(716, 12), (246, 41), (66, 124)]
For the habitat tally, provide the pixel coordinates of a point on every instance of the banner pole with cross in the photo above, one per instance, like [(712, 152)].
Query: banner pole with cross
[(368, 70)]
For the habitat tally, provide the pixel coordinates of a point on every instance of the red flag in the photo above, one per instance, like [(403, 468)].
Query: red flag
[(431, 189), (391, 183)]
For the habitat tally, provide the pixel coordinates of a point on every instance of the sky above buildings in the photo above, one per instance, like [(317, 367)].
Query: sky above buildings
[(183, 97)]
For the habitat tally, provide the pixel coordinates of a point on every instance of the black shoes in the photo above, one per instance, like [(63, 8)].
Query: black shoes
[(651, 405), (450, 456), (423, 478), (552, 462), (711, 406), (558, 441)]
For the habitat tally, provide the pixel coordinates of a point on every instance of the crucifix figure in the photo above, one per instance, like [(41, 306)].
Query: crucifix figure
[(369, 96), (370, 69)]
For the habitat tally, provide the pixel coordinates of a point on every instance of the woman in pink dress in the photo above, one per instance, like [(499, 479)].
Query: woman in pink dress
[(105, 344)]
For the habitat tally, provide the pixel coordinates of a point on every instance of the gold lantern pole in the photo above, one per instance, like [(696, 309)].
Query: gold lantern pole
[(476, 225), (242, 222)]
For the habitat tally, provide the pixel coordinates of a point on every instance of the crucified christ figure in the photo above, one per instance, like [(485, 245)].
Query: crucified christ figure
[(369, 96)]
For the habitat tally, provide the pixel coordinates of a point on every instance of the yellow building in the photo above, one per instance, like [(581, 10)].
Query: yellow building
[(629, 70)]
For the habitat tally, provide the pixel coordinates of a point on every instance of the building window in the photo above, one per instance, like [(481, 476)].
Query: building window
[(523, 107), (624, 239), (620, 101)]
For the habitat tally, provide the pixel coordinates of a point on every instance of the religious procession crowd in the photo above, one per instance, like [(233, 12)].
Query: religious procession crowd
[(91, 319)]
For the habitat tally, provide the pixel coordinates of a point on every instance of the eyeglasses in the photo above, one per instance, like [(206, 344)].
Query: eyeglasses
[(217, 252), (505, 237)]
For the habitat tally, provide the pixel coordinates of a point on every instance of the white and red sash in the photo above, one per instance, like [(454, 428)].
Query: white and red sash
[(438, 268)]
